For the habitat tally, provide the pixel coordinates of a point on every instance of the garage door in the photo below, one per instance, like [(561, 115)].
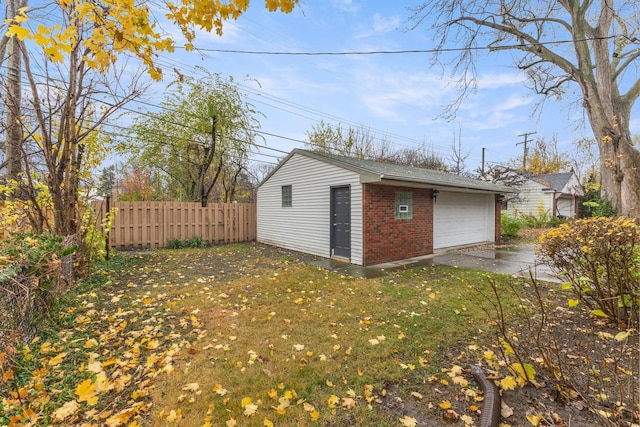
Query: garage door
[(462, 219)]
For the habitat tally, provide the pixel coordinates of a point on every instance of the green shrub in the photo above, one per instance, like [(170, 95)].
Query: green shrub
[(175, 243), (536, 221), (509, 227), (195, 242), (600, 260)]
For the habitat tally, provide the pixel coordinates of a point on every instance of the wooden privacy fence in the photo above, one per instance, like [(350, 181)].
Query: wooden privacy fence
[(153, 224)]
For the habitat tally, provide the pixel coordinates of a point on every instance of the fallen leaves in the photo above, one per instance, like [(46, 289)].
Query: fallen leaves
[(243, 350), (86, 392), (65, 411), (408, 421)]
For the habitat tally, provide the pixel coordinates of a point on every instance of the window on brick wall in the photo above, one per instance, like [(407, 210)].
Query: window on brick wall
[(287, 196), (404, 205)]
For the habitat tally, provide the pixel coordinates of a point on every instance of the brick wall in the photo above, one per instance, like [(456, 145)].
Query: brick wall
[(386, 238)]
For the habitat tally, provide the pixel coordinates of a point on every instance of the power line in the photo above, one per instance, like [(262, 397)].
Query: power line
[(399, 52)]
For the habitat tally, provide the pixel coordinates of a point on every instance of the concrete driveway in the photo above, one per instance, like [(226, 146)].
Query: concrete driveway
[(517, 260)]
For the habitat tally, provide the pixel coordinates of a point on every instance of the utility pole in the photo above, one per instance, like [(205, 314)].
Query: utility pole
[(483, 150), (526, 140)]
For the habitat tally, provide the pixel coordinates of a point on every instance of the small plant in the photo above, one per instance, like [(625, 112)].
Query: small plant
[(175, 243), (510, 227), (539, 346), (599, 259), (195, 242)]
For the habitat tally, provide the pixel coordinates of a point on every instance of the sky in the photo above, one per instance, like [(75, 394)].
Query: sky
[(400, 97)]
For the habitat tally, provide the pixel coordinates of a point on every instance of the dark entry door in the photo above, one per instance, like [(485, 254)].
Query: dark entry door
[(341, 222)]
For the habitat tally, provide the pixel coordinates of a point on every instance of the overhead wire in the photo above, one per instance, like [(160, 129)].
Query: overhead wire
[(294, 105)]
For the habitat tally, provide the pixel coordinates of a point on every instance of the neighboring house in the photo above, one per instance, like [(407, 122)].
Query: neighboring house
[(555, 194), (368, 212)]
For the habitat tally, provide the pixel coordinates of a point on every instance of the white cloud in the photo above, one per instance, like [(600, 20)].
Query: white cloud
[(503, 110), (382, 24), (492, 81), (346, 5), (378, 25), (389, 94)]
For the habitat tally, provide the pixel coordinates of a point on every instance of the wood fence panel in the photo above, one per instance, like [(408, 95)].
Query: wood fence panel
[(140, 225)]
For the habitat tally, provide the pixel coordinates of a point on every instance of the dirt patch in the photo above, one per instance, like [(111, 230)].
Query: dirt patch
[(532, 234)]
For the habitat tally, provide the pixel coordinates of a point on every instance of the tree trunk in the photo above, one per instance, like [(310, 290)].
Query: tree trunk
[(620, 177), (13, 147)]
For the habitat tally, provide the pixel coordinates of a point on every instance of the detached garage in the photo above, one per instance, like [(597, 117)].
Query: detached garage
[(368, 212)]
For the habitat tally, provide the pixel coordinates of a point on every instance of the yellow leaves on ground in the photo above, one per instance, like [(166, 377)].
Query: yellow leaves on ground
[(65, 411), (445, 404), (54, 361), (408, 421), (508, 383), (333, 401), (534, 419), (192, 387), (250, 409), (87, 391)]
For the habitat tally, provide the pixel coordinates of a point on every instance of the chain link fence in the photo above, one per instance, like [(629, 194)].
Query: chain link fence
[(25, 300)]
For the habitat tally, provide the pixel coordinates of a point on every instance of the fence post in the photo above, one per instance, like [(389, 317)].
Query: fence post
[(107, 232)]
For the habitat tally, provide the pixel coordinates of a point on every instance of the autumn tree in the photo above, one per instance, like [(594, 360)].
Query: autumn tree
[(69, 52), (347, 141), (543, 157), (138, 184), (565, 47), (202, 131), (359, 142)]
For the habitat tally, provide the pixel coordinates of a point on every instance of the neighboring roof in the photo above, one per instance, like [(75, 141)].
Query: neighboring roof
[(379, 172), (556, 181)]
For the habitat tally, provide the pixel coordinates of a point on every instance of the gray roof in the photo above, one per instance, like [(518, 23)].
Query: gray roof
[(388, 173), (556, 181)]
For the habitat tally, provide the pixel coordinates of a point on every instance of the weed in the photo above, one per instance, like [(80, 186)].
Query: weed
[(175, 243), (510, 227)]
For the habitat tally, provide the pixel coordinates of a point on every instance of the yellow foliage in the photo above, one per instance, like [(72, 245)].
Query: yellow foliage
[(116, 27)]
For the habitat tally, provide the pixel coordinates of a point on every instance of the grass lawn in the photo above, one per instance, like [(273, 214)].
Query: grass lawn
[(249, 335)]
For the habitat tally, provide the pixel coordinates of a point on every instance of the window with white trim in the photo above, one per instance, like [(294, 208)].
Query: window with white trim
[(287, 196)]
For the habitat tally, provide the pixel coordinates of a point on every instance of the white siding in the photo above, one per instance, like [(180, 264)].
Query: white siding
[(533, 200), (566, 207), (462, 219), (305, 226)]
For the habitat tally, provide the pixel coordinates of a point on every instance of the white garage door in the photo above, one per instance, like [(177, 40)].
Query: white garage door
[(461, 219)]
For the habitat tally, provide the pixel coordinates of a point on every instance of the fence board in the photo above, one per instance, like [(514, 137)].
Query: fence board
[(140, 225)]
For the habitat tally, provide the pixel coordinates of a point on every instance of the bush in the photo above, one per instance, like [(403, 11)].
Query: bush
[(195, 242), (175, 243), (30, 281), (600, 260), (509, 227)]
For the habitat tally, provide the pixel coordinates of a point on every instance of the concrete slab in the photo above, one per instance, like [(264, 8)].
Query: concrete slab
[(517, 260)]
